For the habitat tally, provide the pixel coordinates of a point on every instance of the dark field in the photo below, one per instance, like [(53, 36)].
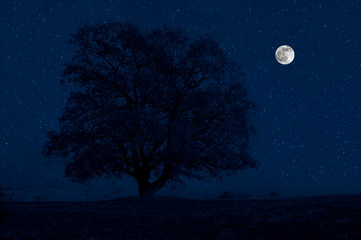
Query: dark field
[(321, 217)]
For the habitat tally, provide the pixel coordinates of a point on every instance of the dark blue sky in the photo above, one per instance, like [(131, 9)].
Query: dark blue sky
[(309, 114)]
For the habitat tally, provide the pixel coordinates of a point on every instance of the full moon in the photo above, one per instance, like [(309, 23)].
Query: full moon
[(285, 54)]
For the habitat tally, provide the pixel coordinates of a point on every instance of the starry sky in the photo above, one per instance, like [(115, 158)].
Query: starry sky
[(309, 112)]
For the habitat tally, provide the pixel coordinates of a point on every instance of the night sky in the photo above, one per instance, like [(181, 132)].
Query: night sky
[(309, 112)]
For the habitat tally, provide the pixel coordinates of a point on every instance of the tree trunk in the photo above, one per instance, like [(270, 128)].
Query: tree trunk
[(145, 188)]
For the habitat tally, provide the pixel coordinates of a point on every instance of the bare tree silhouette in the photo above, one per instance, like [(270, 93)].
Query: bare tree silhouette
[(155, 105)]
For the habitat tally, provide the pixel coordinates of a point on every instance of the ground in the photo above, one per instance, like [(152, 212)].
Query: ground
[(319, 217)]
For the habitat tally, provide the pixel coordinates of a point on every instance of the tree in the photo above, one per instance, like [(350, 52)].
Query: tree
[(156, 106)]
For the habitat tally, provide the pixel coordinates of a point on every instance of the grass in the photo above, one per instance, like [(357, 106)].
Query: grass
[(319, 217)]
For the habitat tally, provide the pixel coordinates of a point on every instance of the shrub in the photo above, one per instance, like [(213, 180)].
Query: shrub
[(226, 195), (275, 194)]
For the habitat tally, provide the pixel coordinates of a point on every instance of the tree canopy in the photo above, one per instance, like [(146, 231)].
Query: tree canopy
[(157, 106)]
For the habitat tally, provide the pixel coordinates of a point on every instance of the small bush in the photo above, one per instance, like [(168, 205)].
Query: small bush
[(225, 195), (275, 194)]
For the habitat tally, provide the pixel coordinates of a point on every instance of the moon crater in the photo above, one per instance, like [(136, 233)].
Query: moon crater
[(285, 54)]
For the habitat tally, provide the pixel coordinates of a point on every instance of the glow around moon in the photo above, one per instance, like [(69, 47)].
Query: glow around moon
[(285, 54)]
